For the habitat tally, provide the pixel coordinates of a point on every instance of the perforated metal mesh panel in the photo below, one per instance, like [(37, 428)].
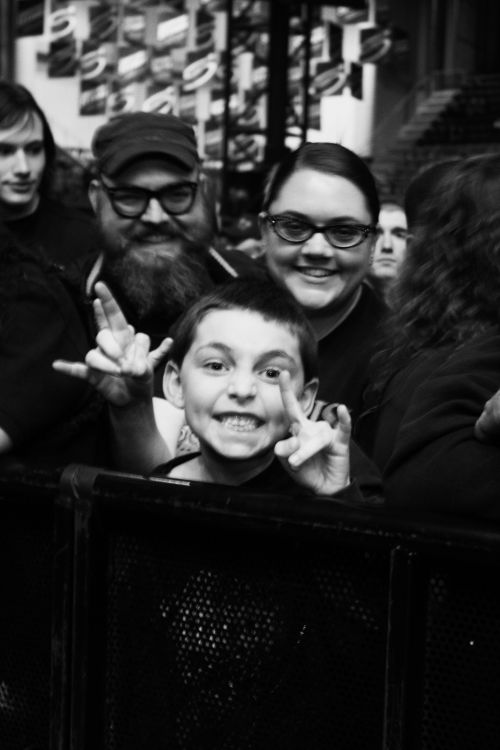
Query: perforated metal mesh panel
[(25, 627), (246, 644), (462, 659)]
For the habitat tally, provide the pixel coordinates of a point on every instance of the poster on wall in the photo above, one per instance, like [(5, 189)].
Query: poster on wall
[(29, 15), (97, 63), (62, 57), (103, 22)]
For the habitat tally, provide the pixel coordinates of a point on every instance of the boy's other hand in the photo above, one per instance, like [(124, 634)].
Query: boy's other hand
[(121, 366), (316, 454)]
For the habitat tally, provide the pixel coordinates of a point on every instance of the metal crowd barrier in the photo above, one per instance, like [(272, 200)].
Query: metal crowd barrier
[(162, 614)]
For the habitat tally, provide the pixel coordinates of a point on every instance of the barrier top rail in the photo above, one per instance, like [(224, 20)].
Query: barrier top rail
[(209, 502)]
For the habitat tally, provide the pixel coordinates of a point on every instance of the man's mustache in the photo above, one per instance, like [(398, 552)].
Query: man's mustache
[(168, 232)]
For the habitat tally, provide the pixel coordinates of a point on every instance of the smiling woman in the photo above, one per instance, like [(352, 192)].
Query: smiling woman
[(318, 223)]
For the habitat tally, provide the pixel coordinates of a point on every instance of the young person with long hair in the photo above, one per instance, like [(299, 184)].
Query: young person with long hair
[(27, 169), (442, 359)]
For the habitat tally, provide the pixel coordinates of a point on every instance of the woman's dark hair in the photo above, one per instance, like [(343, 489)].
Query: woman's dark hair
[(17, 106), (253, 295), (447, 290), (330, 158), (420, 188)]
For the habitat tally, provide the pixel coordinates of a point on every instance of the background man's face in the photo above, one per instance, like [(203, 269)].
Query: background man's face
[(390, 248), (149, 255), (155, 237)]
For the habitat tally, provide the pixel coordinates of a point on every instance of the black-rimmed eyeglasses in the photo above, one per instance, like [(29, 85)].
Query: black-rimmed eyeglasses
[(131, 202), (294, 230)]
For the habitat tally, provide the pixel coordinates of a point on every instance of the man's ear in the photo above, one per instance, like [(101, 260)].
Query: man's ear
[(93, 194), (172, 386), (308, 396)]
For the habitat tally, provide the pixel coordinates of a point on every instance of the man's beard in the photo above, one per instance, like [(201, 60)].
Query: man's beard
[(162, 290)]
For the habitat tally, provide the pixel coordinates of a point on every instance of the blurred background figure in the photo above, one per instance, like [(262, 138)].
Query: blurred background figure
[(390, 247), (441, 361), (244, 235), (27, 165)]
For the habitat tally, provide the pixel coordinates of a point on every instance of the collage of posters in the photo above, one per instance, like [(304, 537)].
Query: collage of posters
[(203, 60)]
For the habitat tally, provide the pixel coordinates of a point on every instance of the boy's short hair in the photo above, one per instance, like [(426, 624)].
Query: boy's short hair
[(265, 298)]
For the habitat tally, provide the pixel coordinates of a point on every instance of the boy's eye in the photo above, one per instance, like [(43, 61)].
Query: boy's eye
[(214, 366), (271, 373)]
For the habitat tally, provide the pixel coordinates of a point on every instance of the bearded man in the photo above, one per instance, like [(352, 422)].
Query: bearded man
[(156, 216)]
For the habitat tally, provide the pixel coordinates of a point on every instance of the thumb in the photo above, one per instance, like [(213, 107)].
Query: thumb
[(158, 354), (344, 424)]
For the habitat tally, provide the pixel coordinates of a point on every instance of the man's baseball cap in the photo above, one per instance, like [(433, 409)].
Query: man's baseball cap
[(140, 134)]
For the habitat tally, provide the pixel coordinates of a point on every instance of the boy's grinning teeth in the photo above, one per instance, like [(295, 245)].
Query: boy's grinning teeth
[(240, 423)]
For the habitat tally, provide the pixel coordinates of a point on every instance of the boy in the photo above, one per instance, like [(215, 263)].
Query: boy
[(243, 367)]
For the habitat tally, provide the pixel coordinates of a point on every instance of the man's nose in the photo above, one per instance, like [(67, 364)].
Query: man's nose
[(318, 245), (154, 213), (385, 243)]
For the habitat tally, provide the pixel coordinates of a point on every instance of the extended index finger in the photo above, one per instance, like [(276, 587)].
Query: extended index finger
[(108, 312), (292, 406)]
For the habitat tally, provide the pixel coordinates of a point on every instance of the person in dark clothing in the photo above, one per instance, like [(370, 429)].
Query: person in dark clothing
[(442, 358), (156, 219), (318, 227), (45, 418), (27, 162)]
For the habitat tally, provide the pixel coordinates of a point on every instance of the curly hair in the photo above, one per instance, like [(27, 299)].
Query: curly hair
[(447, 291)]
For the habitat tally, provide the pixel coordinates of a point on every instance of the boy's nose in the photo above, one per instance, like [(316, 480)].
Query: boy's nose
[(242, 386)]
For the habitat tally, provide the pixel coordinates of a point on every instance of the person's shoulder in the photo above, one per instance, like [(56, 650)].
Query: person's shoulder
[(477, 352), (372, 301), (163, 470), (60, 209), (83, 272)]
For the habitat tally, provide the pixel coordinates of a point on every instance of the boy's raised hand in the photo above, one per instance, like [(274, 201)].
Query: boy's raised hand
[(121, 366), (316, 454)]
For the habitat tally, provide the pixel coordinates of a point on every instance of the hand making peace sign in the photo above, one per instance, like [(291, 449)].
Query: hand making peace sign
[(316, 454), (121, 367)]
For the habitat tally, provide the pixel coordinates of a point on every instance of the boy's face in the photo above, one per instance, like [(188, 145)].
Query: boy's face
[(228, 383)]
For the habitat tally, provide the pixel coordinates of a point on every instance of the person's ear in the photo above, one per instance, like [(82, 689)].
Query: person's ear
[(308, 396), (172, 386), (94, 194)]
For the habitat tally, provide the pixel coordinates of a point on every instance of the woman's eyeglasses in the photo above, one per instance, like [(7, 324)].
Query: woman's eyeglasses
[(131, 202), (342, 236)]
